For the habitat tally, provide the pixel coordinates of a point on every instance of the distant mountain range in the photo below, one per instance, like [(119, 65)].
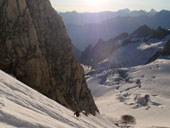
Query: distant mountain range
[(88, 28), (94, 18), (126, 50)]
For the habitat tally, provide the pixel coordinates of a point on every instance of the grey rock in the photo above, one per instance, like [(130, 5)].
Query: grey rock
[(35, 47)]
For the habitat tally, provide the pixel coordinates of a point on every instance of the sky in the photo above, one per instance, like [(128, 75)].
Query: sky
[(109, 5)]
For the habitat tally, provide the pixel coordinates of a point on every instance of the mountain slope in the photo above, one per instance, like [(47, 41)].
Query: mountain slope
[(21, 106), (134, 54), (142, 91), (126, 50), (35, 47), (83, 35), (163, 53)]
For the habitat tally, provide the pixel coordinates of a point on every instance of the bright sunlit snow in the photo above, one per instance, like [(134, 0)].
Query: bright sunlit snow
[(135, 54), (22, 107), (123, 91)]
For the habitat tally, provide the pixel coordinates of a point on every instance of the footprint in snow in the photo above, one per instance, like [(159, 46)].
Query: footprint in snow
[(154, 77), (157, 104), (154, 95), (1, 104)]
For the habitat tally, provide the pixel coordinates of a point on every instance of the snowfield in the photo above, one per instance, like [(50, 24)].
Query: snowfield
[(22, 107), (134, 54), (142, 92)]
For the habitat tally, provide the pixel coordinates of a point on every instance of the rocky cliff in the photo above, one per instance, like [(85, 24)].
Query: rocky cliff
[(36, 49), (161, 53)]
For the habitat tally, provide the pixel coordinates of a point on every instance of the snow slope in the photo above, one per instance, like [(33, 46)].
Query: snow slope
[(134, 54), (122, 91), (21, 106)]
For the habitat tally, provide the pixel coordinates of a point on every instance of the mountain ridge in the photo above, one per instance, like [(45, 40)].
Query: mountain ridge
[(83, 35), (104, 15), (141, 37)]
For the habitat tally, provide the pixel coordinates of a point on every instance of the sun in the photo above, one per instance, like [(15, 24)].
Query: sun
[(95, 4)]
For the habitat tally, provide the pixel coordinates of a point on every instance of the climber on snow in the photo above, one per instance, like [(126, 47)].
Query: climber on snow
[(77, 113)]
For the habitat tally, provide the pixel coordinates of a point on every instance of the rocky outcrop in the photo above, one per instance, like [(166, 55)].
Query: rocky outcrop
[(143, 32), (160, 33), (161, 53), (121, 36), (36, 49), (77, 52), (166, 50), (146, 32)]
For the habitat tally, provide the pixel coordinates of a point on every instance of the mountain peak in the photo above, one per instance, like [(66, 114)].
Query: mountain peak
[(143, 31), (153, 11), (164, 13), (160, 33), (127, 10)]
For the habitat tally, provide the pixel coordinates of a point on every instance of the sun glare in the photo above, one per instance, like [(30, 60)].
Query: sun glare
[(95, 4)]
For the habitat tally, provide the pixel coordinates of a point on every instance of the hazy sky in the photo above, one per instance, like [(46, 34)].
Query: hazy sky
[(109, 5)]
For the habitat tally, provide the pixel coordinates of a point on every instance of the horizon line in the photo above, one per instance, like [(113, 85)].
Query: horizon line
[(112, 10)]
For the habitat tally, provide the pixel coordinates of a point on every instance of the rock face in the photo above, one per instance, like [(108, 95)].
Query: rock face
[(160, 33), (143, 31), (35, 47), (164, 52), (77, 52)]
